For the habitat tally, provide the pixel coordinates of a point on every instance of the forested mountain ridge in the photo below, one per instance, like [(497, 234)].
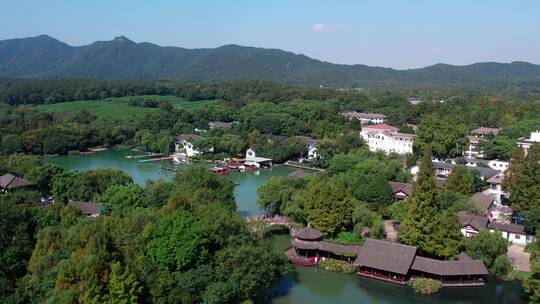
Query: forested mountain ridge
[(121, 58)]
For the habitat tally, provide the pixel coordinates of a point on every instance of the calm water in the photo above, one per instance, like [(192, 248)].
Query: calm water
[(245, 193), (306, 285), (313, 285)]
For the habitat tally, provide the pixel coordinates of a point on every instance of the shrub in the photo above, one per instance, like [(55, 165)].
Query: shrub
[(501, 267), (425, 286), (337, 266)]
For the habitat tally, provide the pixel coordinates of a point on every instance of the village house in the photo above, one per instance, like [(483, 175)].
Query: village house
[(9, 182), (252, 160), (442, 170), (474, 139), (184, 144), (397, 263), (472, 149), (526, 143), (483, 201), (495, 188), (365, 118), (515, 234), (485, 132), (401, 191), (311, 145), (220, 124), (88, 209), (471, 224), (386, 138)]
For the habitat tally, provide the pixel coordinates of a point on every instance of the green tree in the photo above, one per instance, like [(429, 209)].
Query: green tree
[(460, 181), (277, 192), (249, 269), (177, 242), (515, 178), (501, 267), (434, 232), (123, 286), (44, 175), (443, 134), (328, 204), (487, 246), (197, 186), (117, 198)]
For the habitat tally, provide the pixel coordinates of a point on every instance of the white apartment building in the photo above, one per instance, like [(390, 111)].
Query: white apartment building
[(365, 118), (386, 138), (526, 143)]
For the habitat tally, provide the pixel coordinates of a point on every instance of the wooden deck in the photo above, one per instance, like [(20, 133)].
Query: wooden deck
[(380, 278)]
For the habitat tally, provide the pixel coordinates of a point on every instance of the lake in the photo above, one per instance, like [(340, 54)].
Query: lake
[(306, 285)]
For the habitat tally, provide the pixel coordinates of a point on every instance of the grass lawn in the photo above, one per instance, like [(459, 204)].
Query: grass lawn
[(521, 275), (118, 107)]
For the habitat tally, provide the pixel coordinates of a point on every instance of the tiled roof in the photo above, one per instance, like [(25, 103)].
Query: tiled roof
[(87, 208), (486, 131), (382, 127), (308, 233), (483, 200), (477, 222), (404, 187), (10, 181), (449, 268), (393, 257), (512, 228)]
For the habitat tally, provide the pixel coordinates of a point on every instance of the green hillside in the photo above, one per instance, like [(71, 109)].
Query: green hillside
[(119, 108), (121, 58)]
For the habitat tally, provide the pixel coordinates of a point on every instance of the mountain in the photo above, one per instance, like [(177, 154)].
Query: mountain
[(121, 58)]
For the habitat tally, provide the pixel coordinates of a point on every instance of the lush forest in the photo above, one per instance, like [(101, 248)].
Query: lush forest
[(121, 58), (182, 241)]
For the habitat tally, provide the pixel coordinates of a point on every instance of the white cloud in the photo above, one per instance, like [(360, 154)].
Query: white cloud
[(321, 28), (325, 28)]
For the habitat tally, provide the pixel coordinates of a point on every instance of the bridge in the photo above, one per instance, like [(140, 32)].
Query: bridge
[(270, 220)]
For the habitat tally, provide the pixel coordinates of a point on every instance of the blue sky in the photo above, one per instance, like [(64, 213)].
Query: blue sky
[(399, 34)]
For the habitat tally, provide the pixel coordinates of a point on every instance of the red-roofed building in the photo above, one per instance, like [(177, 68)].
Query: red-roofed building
[(386, 138)]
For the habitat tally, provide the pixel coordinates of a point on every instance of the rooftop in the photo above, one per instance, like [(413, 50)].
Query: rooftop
[(306, 140), (392, 257), (486, 131), (309, 234), (382, 127), (512, 228), (87, 208), (449, 268), (10, 181), (483, 200), (477, 222), (404, 187)]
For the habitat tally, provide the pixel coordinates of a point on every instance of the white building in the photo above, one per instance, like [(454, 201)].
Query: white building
[(311, 145), (365, 118), (184, 144), (526, 143), (472, 149), (495, 188), (386, 138), (252, 160), (515, 234)]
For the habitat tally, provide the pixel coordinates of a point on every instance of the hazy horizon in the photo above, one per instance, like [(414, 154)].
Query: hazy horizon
[(396, 34)]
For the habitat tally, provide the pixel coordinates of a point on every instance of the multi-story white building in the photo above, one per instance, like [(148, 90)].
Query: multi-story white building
[(526, 143), (474, 139), (365, 118), (386, 138), (495, 188)]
